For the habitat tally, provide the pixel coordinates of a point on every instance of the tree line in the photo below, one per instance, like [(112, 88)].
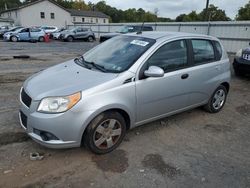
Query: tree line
[(139, 15)]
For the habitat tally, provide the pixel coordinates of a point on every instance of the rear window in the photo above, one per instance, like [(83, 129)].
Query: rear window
[(203, 51)]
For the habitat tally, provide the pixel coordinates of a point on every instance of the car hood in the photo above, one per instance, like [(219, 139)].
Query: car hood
[(64, 79)]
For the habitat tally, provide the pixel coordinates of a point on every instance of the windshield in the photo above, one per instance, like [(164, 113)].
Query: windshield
[(119, 53), (123, 30)]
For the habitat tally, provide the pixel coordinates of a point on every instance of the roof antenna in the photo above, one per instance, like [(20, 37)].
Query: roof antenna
[(140, 32)]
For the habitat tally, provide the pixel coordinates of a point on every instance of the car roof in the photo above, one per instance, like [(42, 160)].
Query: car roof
[(169, 35)]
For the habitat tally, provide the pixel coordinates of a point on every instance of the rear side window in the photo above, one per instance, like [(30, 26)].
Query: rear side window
[(218, 49), (170, 57), (203, 51)]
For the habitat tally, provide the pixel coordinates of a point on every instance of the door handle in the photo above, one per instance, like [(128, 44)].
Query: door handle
[(184, 76)]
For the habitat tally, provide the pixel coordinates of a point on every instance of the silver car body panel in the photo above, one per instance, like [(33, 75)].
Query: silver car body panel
[(143, 100)]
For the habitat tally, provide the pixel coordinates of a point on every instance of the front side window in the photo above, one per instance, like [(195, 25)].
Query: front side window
[(169, 57), (24, 30), (42, 15), (119, 53), (203, 51)]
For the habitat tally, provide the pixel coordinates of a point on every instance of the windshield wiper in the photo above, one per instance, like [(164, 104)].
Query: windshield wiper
[(80, 60), (99, 67), (86, 64)]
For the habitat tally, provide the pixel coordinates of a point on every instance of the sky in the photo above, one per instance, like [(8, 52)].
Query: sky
[(173, 8)]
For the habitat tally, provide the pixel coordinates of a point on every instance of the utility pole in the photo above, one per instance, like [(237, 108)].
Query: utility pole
[(205, 18)]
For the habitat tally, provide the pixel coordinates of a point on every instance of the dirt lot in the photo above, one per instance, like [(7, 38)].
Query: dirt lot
[(192, 149)]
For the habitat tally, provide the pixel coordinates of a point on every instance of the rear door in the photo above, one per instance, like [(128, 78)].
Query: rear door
[(206, 70), (35, 33)]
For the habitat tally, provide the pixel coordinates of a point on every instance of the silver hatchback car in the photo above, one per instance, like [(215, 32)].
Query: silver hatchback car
[(122, 83)]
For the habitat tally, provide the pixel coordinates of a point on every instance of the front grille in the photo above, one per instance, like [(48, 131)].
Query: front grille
[(26, 99), (23, 118)]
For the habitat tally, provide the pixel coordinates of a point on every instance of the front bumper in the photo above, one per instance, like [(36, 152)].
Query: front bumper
[(66, 127), (6, 38)]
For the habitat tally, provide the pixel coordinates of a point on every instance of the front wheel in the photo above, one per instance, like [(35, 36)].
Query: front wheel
[(70, 39), (217, 101), (105, 132), (91, 39), (14, 39)]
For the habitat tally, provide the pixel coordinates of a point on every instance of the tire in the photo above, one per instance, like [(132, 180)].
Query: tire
[(237, 72), (41, 39), (91, 39), (14, 39), (217, 100), (98, 135), (70, 39)]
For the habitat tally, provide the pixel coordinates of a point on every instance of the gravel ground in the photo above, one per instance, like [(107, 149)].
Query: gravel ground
[(191, 149)]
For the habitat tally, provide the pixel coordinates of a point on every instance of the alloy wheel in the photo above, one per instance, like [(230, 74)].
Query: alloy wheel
[(219, 99), (107, 134)]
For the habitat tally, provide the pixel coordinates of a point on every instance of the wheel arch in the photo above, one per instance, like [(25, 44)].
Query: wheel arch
[(127, 117), (226, 85)]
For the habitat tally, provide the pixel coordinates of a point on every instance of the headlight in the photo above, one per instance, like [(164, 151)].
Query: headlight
[(239, 53), (58, 104)]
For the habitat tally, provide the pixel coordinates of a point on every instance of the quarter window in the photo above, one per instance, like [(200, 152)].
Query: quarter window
[(218, 49), (42, 14), (171, 56), (203, 51)]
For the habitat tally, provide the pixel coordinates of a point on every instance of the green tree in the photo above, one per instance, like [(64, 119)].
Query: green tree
[(244, 12), (215, 14), (180, 18), (80, 5), (9, 4)]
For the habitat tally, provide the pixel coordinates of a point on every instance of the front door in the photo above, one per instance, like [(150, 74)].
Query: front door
[(157, 97), (24, 34)]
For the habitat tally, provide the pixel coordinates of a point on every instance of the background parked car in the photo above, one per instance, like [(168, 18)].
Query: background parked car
[(241, 62), (78, 33), (7, 35), (13, 30), (3, 29), (27, 34), (56, 35), (49, 29), (126, 29)]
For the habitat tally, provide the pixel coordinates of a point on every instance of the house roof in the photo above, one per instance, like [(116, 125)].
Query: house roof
[(32, 3), (98, 14)]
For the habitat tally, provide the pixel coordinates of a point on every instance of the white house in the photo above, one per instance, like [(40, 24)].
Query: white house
[(81, 17), (49, 13)]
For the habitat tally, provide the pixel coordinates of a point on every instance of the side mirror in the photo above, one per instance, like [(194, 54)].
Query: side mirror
[(154, 71)]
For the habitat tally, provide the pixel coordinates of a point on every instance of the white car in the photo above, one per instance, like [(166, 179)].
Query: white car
[(49, 29)]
